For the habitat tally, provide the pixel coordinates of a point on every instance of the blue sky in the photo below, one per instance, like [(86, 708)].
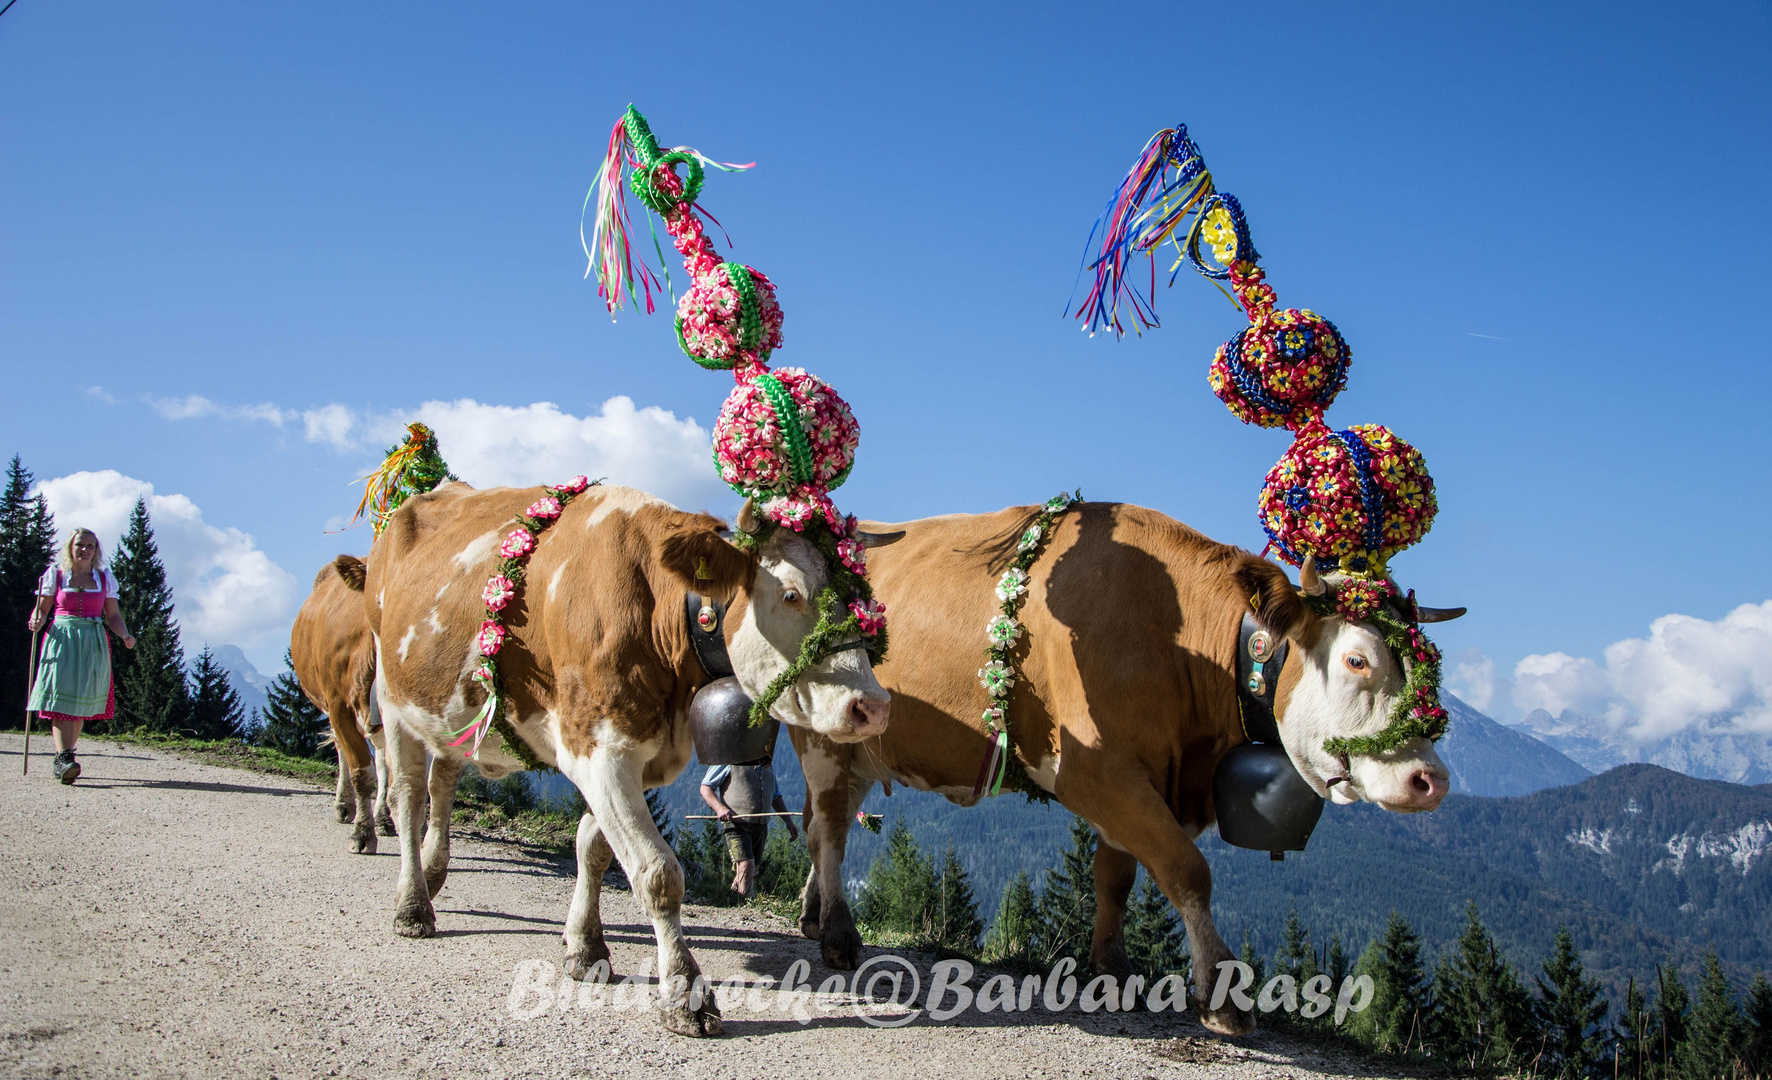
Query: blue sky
[(1542, 229)]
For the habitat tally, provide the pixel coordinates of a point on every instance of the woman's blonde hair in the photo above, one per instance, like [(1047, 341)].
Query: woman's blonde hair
[(65, 558)]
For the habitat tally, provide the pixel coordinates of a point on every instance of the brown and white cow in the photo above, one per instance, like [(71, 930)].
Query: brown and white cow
[(1126, 703), (334, 660), (599, 671)]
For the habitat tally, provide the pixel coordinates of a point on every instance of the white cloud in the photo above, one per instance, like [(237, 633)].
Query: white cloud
[(1688, 673), (1471, 675), (517, 445), (195, 406), (224, 588)]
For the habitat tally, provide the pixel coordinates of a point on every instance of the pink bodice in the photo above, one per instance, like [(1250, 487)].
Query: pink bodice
[(80, 603)]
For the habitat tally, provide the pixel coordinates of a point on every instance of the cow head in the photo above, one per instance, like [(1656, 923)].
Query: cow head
[(1346, 686), (773, 607)]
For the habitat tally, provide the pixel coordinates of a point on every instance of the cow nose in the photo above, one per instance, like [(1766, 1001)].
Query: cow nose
[(1427, 788), (867, 716)]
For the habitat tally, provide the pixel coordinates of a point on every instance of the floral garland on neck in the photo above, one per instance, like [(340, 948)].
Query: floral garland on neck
[(501, 590), (846, 605), (1418, 712), (1001, 668)]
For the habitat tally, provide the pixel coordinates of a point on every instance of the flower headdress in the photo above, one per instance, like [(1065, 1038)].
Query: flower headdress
[(1346, 500), (784, 439), (412, 467)]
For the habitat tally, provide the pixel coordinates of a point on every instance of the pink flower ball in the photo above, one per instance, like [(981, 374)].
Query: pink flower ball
[(753, 451), (1352, 498), (710, 318)]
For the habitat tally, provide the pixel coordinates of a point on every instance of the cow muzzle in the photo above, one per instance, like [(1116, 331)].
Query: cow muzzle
[(866, 716)]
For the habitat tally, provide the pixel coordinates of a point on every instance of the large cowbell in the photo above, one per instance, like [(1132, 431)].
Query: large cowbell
[(1262, 802), (720, 725)]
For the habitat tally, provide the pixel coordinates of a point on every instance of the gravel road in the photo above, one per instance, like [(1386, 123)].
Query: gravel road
[(167, 918)]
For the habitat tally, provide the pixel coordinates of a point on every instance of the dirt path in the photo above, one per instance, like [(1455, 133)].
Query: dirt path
[(170, 918)]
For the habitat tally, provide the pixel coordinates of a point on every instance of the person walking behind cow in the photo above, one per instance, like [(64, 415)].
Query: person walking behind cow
[(733, 793), (73, 683)]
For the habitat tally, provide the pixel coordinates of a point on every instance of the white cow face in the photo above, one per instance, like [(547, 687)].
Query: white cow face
[(1348, 684), (839, 697)]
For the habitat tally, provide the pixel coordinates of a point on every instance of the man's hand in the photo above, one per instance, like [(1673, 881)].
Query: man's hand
[(793, 833), (724, 813)]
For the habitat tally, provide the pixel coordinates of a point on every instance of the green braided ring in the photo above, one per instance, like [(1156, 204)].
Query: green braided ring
[(793, 436), (647, 150)]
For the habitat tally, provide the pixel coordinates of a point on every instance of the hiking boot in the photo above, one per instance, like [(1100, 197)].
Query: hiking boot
[(66, 769)]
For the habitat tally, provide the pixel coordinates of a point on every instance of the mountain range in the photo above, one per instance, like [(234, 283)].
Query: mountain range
[(1715, 751)]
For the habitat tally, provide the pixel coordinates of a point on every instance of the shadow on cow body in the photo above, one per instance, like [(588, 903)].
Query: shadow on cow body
[(1126, 702)]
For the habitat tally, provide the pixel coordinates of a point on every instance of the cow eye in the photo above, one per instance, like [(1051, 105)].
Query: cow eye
[(790, 596), (1356, 663)]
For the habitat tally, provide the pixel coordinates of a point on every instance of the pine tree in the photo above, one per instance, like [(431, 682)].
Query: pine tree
[(27, 547), (1335, 961), (1066, 907), (215, 704), (1249, 956), (1154, 940), (1481, 1018), (1570, 1011), (1295, 945), (289, 722), (1012, 931), (1633, 1036), (1400, 998), (957, 924), (1716, 1032), (150, 679), (1672, 1005), (901, 888), (1758, 1008)]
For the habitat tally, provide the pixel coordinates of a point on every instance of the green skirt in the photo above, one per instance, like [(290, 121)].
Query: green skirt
[(74, 674)]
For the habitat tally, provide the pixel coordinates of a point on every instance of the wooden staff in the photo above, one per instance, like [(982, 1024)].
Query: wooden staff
[(716, 817), (30, 684)]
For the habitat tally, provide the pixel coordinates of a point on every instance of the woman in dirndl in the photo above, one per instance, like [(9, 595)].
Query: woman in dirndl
[(73, 683)]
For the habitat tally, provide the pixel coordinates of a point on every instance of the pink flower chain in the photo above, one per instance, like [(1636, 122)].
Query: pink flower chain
[(501, 590)]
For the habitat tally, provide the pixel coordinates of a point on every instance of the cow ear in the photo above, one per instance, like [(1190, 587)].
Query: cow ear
[(351, 571), (693, 551), (1277, 605)]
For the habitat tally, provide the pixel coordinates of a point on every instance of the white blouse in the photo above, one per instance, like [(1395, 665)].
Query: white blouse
[(106, 581)]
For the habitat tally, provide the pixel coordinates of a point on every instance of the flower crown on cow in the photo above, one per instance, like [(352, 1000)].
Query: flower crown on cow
[(784, 438), (1346, 500)]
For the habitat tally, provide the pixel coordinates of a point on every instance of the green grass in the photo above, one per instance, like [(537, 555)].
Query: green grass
[(227, 752)]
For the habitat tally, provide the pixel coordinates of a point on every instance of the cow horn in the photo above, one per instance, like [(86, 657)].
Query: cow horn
[(747, 518), (874, 540), (1308, 582), (1438, 614)]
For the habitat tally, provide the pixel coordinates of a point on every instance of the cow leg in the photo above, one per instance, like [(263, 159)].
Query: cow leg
[(1115, 871), (413, 915), (344, 800), (584, 920), (1144, 826), (384, 819), (609, 779), (833, 793), (446, 770), (355, 761)]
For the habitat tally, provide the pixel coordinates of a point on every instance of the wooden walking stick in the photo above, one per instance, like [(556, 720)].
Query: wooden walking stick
[(30, 684)]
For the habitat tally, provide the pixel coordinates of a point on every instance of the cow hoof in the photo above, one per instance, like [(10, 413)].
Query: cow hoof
[(842, 952), (363, 842), (579, 962), (421, 925), (384, 824), (346, 812), (1228, 1020), (694, 1023)]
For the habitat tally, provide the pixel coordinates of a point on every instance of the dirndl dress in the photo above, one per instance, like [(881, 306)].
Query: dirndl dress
[(74, 673)]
